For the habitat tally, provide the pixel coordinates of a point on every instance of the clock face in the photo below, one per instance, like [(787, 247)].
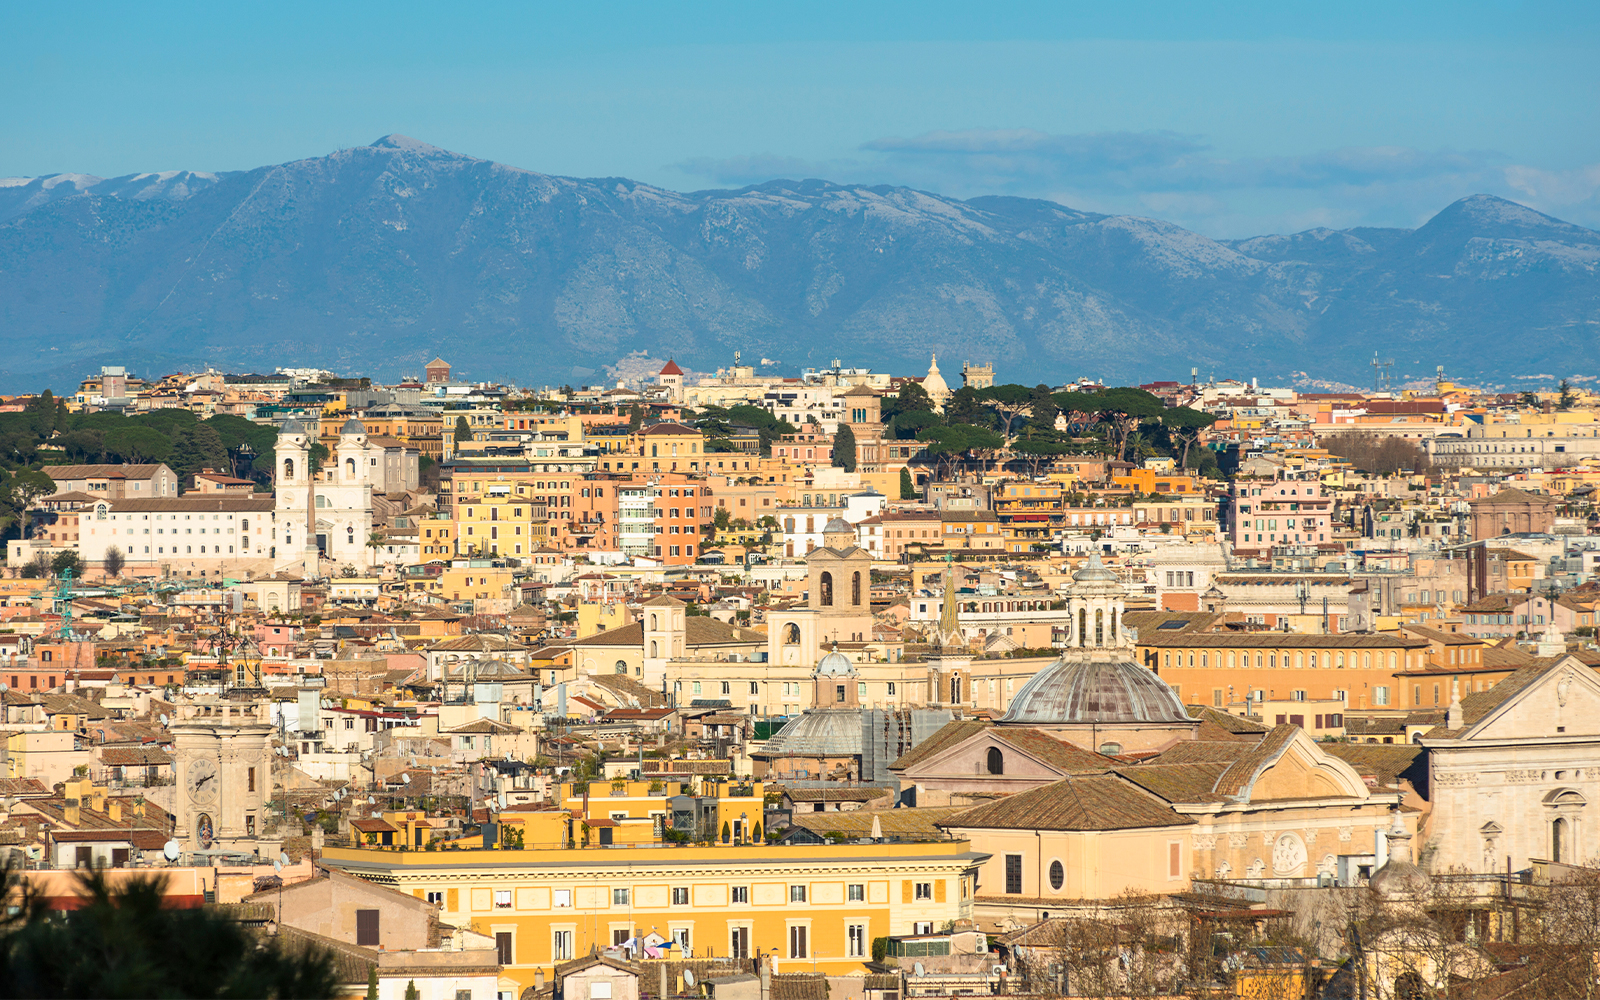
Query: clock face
[(202, 779)]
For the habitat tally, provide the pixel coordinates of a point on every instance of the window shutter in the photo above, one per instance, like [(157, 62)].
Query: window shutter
[(938, 891), (905, 891)]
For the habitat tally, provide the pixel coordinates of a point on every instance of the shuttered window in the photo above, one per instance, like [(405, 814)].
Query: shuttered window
[(367, 928), (1014, 874)]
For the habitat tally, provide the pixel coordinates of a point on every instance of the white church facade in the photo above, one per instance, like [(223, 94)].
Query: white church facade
[(325, 514)]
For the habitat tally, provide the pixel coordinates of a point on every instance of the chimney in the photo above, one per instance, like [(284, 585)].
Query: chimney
[(538, 979), (73, 813), (114, 810)]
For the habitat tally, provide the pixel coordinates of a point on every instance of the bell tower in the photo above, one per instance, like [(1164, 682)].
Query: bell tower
[(950, 666), (224, 770)]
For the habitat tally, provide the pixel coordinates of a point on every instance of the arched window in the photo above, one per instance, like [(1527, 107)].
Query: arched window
[(288, 468), (653, 625), (826, 589), (1558, 838), (791, 634), (855, 588), (653, 648), (322, 502), (622, 666), (1083, 627), (349, 468), (996, 761), (955, 689)]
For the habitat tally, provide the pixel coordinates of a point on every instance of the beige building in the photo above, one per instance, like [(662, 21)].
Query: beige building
[(1513, 770)]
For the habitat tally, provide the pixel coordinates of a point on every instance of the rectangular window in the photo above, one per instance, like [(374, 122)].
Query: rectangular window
[(502, 899), (1174, 859), (619, 897), (1380, 694), (1014, 873), (857, 935), (925, 889), (367, 928), (250, 779), (436, 898), (797, 894), (680, 896), (739, 942), (858, 892), (797, 942), (560, 945), (562, 897), (741, 894), (502, 947)]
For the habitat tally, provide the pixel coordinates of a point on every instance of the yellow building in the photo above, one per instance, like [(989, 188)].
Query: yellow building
[(665, 447), (504, 518), (813, 907), (473, 583)]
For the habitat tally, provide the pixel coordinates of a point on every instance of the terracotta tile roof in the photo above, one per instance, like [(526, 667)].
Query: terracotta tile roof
[(1238, 725), (1068, 758), (946, 737), (1087, 802), (133, 756), (1236, 782), (1276, 640), (1388, 762), (698, 631), (1187, 783)]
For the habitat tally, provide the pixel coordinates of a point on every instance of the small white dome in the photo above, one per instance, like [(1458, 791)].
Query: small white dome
[(835, 664)]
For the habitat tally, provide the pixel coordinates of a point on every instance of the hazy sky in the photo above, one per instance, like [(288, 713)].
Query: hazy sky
[(1232, 119)]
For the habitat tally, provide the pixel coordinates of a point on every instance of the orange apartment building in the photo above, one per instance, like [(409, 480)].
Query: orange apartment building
[(1220, 668)]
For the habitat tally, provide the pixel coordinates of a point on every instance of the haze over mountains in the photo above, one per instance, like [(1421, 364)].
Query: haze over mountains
[(376, 258)]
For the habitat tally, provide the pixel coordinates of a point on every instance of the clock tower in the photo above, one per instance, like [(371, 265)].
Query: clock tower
[(224, 761)]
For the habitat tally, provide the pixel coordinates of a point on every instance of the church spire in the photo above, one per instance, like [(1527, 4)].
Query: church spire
[(949, 624)]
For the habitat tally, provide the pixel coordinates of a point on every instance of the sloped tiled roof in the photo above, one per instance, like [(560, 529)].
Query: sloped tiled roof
[(950, 734), (1188, 783), (1237, 780), (1057, 753), (698, 631), (1088, 802)]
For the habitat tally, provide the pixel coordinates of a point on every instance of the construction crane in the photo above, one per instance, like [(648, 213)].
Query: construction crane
[(63, 605)]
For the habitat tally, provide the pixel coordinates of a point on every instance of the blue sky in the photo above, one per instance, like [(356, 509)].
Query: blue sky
[(1231, 119)]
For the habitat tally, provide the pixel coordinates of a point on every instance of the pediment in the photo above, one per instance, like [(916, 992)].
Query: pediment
[(969, 759), (1304, 771), (1563, 701)]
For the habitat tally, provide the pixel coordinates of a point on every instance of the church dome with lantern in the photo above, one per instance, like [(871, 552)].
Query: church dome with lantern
[(1095, 687)]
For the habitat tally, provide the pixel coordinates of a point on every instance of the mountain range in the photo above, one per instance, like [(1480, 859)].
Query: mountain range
[(374, 259)]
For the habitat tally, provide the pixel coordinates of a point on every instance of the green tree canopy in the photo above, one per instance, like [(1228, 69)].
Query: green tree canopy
[(844, 448), (124, 942)]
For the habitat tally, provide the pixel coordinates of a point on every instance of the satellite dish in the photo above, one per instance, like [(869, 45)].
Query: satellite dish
[(171, 849), (283, 858), (406, 778), (163, 720), (916, 967), (688, 977), (277, 866)]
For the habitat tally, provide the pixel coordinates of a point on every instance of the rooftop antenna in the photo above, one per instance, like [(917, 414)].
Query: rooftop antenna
[(1382, 373)]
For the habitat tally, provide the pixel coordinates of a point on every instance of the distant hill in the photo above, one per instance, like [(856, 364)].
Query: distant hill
[(379, 257)]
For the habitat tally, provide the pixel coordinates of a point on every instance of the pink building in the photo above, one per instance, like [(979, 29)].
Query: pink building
[(1289, 510)]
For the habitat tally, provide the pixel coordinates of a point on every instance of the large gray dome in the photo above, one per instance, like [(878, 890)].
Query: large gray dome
[(353, 426), (1094, 687)]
